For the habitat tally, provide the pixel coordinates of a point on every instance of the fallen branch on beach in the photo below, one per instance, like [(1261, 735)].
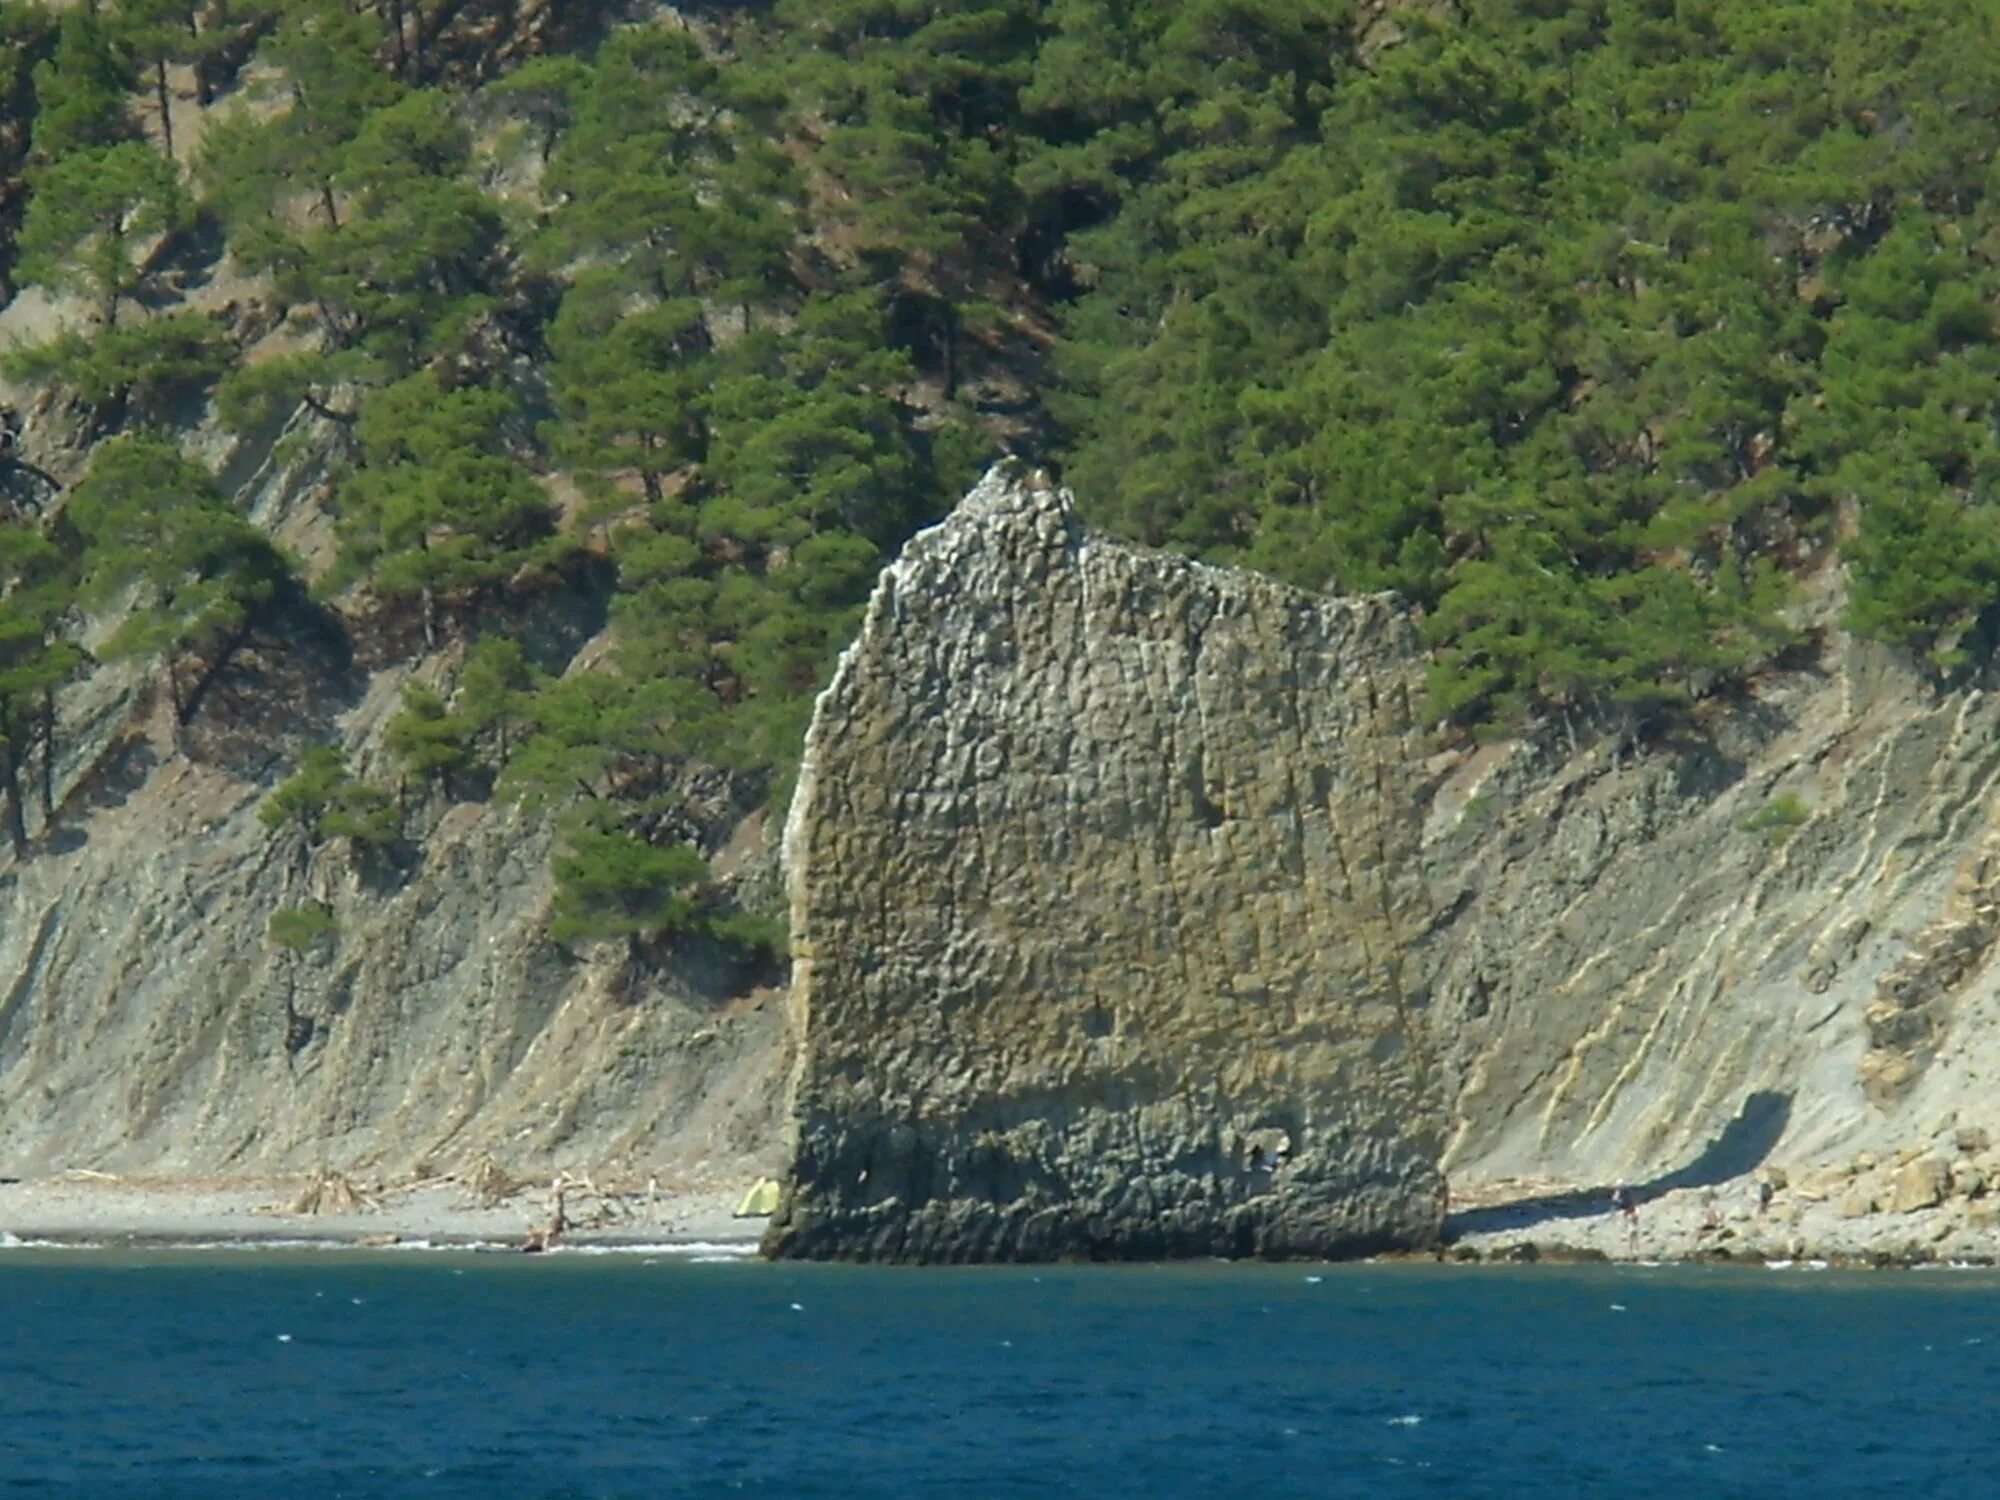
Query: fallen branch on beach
[(333, 1193), (490, 1183)]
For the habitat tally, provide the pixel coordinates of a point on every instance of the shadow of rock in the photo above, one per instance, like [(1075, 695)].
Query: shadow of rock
[(108, 781), (1741, 1147), (281, 688), (64, 840)]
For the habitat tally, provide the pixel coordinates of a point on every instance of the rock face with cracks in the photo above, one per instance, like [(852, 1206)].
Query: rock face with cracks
[(1103, 868), (150, 1027)]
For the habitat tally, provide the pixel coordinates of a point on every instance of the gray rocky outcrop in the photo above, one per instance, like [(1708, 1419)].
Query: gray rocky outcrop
[(1101, 860), (1103, 867), (1923, 1183), (1637, 973), (148, 1026)]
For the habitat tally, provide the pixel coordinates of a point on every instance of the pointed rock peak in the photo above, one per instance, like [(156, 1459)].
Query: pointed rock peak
[(1010, 529), (1014, 492)]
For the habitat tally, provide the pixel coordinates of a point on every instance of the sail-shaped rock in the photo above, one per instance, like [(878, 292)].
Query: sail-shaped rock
[(1101, 864)]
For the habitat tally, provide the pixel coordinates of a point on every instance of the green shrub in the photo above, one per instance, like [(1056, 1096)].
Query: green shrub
[(1779, 818), (300, 928)]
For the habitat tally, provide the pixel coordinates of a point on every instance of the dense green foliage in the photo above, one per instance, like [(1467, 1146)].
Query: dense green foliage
[(153, 525), (1591, 328), (1578, 324)]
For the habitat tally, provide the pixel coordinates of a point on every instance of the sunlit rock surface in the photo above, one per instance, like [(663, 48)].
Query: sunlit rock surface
[(1103, 865)]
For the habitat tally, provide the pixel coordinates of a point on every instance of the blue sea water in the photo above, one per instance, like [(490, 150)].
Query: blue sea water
[(302, 1375)]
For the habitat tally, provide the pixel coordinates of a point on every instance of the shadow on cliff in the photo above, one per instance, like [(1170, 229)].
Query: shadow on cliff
[(281, 684), (1740, 1147)]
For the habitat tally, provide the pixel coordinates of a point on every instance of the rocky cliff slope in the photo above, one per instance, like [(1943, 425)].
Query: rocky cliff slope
[(1110, 872), (1766, 949), (148, 1024), (1103, 869)]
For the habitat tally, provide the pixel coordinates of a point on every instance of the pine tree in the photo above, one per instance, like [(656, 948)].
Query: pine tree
[(492, 700), (547, 93), (80, 92), (439, 509), (93, 211), (28, 35), (200, 575), (155, 34), (38, 653), (631, 386), (330, 85), (137, 371), (324, 800), (610, 884), (429, 742)]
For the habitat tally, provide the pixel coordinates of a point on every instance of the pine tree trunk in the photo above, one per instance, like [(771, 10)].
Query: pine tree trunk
[(430, 619), (166, 109), (175, 719), (291, 963), (48, 759), (17, 822), (10, 770), (217, 662), (418, 43), (402, 46)]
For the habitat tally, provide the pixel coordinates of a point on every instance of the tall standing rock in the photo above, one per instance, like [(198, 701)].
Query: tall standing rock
[(1102, 862)]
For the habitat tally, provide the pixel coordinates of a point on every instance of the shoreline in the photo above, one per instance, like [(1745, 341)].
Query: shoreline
[(98, 1211), (1498, 1223), (284, 1239), (1914, 1210), (1810, 1258)]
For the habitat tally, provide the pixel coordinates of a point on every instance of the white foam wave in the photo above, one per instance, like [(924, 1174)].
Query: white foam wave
[(301, 1243), (702, 1250)]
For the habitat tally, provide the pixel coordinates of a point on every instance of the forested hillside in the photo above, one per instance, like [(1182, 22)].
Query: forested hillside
[(1589, 328)]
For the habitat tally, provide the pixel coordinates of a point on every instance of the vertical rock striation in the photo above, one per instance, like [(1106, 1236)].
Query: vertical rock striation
[(1103, 865)]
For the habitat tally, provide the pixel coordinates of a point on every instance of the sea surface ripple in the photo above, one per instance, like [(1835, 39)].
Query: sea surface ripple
[(302, 1375)]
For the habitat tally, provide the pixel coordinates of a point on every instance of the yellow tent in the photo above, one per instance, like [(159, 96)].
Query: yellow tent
[(760, 1202)]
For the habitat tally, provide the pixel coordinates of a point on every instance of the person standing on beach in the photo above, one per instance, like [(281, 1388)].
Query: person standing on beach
[(1627, 1205)]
